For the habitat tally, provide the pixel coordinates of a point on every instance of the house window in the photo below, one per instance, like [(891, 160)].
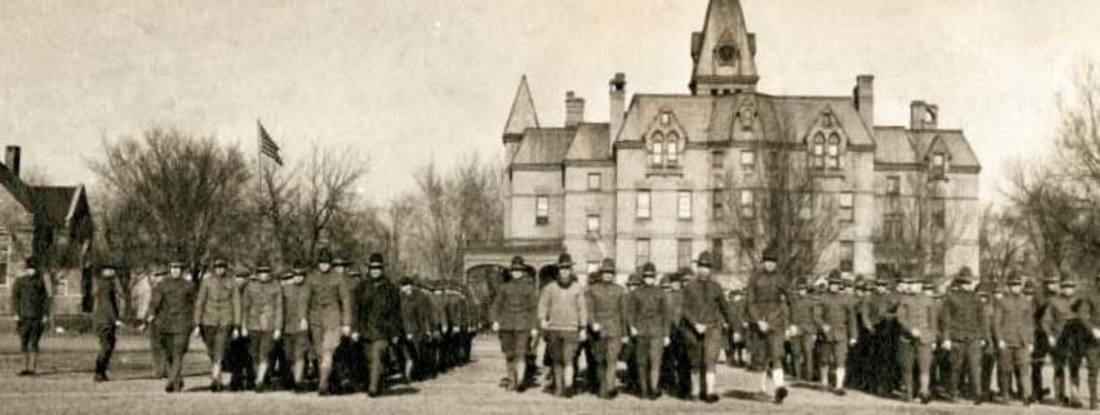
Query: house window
[(5, 256), (832, 159), (683, 253), (542, 210), (718, 160), (593, 223), (672, 147), (818, 151), (847, 255), (642, 209), (658, 150), (939, 165), (939, 217), (594, 180), (747, 203), (893, 185), (805, 207), (745, 253), (718, 202), (641, 252), (717, 247), (892, 228), (683, 205), (748, 158), (847, 206)]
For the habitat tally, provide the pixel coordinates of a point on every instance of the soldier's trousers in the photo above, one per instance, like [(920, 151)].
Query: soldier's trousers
[(648, 357), (677, 367), (107, 338), (802, 349), (990, 358), (758, 354), (607, 347), (376, 358), (216, 339), (160, 368), (30, 333), (970, 354), (409, 350), (295, 347), (1038, 358), (703, 349), (914, 355), (175, 347), (1015, 363), (260, 345)]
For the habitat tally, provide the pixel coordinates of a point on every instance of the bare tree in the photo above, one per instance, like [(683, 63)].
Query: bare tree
[(1003, 244), (917, 228)]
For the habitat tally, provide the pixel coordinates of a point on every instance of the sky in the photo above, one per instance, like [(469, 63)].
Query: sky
[(406, 82)]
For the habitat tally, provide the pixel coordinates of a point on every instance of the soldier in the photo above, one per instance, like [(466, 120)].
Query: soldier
[(413, 321), (916, 316), (515, 315), (626, 351), (377, 323), (1068, 335), (705, 309), (647, 317), (217, 314), (965, 331), (768, 313), (989, 301), (295, 338), (677, 377), (1089, 312), (879, 326), (160, 368), (348, 360), (735, 353), (1013, 329), (802, 332), (606, 302), (171, 311), (439, 323), (105, 318), (837, 327), (1043, 346), (563, 319), (31, 297), (327, 311), (262, 322)]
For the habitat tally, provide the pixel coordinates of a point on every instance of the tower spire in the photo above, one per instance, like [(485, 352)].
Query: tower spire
[(724, 53)]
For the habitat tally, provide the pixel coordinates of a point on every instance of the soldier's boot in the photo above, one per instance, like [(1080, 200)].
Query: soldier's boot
[(298, 373), (1074, 391), (1060, 385), (696, 388), (261, 377), (925, 388), (558, 381), (32, 363), (216, 384), (709, 387), (823, 372), (841, 371), (519, 377), (1092, 390), (779, 378), (567, 380), (654, 381), (325, 370)]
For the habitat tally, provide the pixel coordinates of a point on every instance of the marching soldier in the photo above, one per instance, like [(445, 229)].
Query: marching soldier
[(1089, 312), (160, 367), (31, 297), (677, 377), (802, 332), (515, 315), (1068, 335), (647, 315), (1013, 328), (262, 322), (965, 331), (879, 326), (735, 353), (916, 316), (295, 338), (217, 314), (989, 351), (327, 315), (171, 311), (439, 322), (605, 305), (626, 351), (563, 319), (105, 318), (705, 310), (836, 323), (377, 323), (1043, 345), (768, 313), (413, 321)]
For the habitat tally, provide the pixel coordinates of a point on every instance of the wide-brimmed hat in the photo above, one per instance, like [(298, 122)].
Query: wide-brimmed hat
[(649, 270), (565, 260), (704, 260), (518, 264), (375, 261)]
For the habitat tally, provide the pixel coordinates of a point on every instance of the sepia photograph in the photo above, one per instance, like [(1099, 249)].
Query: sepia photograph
[(827, 207)]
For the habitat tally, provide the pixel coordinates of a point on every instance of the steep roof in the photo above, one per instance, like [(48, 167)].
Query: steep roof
[(724, 27), (56, 202), (893, 146), (591, 143), (897, 145), (544, 145), (523, 114), (953, 140)]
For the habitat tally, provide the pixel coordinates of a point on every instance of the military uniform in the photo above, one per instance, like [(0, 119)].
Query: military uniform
[(766, 302), (606, 302), (1062, 323), (736, 331), (878, 367), (262, 318), (295, 339), (105, 319), (802, 333), (413, 322), (172, 312), (377, 323), (217, 313), (514, 315), (966, 329), (328, 310), (919, 328), (160, 367), (836, 323), (1013, 328), (677, 366), (563, 316), (647, 314), (1088, 309), (30, 302)]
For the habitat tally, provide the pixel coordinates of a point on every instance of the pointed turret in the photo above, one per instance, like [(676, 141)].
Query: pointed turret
[(523, 115), (724, 52)]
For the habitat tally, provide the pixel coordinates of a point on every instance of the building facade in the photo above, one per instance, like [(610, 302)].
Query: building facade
[(663, 178)]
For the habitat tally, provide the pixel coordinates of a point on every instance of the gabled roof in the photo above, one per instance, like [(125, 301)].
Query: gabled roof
[(893, 146), (544, 145), (51, 205), (897, 145), (724, 25), (591, 143), (523, 114)]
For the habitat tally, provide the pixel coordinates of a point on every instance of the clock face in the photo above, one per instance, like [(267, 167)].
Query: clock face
[(727, 54)]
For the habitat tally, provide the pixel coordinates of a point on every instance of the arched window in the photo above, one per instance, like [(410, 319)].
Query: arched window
[(817, 150), (832, 159), (656, 151), (672, 148)]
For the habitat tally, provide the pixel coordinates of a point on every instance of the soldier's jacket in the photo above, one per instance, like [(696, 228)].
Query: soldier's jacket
[(1088, 310), (917, 313), (766, 301), (606, 305), (328, 303), (705, 304), (173, 306), (262, 306), (412, 319), (516, 305), (30, 297), (294, 302), (1059, 311), (218, 302), (736, 311), (439, 311), (834, 312), (563, 308), (675, 302), (802, 313), (105, 297), (457, 312), (647, 311), (963, 317), (380, 309), (1013, 320), (876, 308), (422, 300)]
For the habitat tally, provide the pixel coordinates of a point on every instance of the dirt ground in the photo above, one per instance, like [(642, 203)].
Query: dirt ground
[(64, 386)]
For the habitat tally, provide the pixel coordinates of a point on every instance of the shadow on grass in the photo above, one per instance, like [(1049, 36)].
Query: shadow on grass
[(750, 396)]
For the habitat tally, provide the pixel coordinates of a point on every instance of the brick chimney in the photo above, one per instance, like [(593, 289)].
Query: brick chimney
[(617, 103), (864, 97), (11, 159), (923, 116), (574, 109)]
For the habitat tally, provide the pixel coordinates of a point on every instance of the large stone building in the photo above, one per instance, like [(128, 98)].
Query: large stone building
[(652, 183)]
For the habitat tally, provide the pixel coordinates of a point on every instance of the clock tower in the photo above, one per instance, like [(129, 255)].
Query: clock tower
[(723, 54)]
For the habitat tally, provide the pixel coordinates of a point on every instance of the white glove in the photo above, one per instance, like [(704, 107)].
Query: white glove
[(763, 326), (626, 339), (668, 341), (826, 329), (852, 341), (545, 324), (195, 332), (534, 333), (736, 337), (355, 336), (277, 334), (304, 325), (409, 336), (496, 326), (915, 333), (947, 345), (1096, 333), (633, 332), (701, 328), (118, 323), (346, 330), (596, 327), (1002, 345), (582, 334), (244, 332)]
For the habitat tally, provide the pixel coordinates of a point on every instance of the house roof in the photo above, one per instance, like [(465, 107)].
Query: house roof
[(897, 145), (523, 114), (52, 205), (544, 145), (592, 142), (893, 146)]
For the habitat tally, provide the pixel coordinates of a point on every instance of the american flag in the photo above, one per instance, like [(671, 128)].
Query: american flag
[(268, 146)]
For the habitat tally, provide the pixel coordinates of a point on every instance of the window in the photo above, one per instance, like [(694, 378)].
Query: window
[(748, 158), (594, 181), (745, 253), (747, 203), (642, 208), (939, 217), (818, 151), (717, 247), (847, 255), (832, 160), (805, 206), (672, 149), (658, 150), (893, 185), (683, 204), (718, 160), (5, 256), (683, 253), (542, 210), (593, 223), (719, 203), (666, 118), (847, 206), (892, 227), (641, 252), (939, 165)]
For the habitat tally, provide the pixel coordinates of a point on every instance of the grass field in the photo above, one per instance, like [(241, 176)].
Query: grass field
[(64, 386)]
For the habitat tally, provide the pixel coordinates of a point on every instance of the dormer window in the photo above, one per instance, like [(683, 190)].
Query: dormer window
[(672, 150), (657, 149), (939, 165), (665, 141), (818, 151), (832, 158)]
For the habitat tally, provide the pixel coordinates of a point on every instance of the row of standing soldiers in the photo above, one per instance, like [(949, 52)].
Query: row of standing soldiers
[(337, 323)]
